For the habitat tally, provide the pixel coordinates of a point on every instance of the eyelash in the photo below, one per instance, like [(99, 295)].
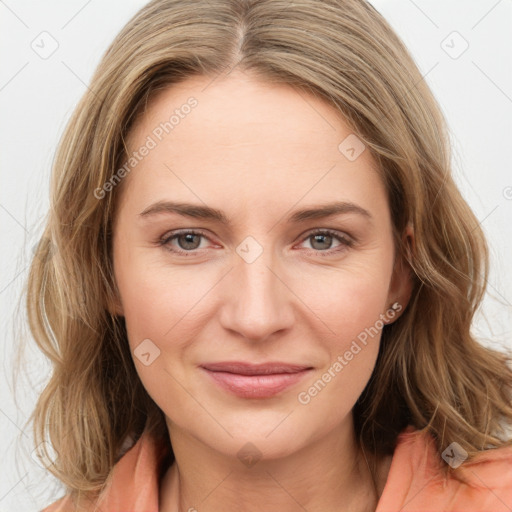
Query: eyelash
[(346, 242)]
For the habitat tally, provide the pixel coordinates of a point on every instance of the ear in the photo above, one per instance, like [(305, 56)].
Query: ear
[(400, 287), (114, 305)]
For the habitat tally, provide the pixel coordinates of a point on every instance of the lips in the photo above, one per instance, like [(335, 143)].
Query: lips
[(255, 380), (241, 368)]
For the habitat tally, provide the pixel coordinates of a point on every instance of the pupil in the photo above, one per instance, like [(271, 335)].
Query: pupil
[(188, 240), (319, 237)]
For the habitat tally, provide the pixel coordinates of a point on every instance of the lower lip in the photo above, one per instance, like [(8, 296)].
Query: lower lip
[(256, 386)]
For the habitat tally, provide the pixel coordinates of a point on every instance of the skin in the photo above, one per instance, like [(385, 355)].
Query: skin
[(259, 152)]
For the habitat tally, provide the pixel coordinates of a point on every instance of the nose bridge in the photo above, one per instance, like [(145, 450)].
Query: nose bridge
[(259, 303)]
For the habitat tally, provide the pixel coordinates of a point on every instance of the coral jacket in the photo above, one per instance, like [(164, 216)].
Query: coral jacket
[(415, 482)]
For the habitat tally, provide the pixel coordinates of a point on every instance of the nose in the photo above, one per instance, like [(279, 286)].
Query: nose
[(258, 300)]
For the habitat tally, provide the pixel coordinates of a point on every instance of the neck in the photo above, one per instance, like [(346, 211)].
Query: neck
[(330, 474)]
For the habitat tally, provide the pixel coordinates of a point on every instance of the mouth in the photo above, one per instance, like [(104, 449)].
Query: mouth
[(255, 380)]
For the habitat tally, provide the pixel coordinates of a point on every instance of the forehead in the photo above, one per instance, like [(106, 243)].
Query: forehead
[(240, 107), (255, 139)]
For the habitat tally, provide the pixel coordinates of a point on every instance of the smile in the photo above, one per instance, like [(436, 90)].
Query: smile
[(255, 381)]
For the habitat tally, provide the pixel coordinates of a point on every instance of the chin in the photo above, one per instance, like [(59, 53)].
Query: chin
[(263, 434)]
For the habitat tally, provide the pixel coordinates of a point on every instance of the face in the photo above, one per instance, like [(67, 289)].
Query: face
[(249, 269)]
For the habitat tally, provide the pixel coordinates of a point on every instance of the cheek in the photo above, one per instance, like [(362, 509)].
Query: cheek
[(162, 310), (351, 304), (347, 300), (352, 351), (360, 306), (157, 299)]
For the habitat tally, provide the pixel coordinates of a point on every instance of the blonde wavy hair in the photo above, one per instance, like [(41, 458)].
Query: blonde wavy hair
[(430, 372)]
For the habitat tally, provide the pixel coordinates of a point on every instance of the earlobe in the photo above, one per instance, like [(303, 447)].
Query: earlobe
[(117, 309), (402, 289), (401, 282), (114, 305)]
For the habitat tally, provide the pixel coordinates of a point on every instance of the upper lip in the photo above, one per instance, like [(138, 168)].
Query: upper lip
[(242, 368)]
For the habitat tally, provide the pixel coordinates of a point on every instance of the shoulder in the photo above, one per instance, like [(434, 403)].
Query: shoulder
[(418, 481), (133, 481), (64, 504)]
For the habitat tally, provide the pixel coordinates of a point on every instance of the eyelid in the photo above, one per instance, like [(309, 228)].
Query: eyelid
[(334, 232), (165, 240), (346, 241)]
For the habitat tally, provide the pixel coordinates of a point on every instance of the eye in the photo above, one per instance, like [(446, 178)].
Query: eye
[(322, 239), (187, 242)]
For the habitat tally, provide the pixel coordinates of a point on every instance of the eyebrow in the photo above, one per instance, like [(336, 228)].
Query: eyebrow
[(208, 213)]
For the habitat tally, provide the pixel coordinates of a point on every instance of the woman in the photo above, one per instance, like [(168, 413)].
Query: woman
[(257, 280)]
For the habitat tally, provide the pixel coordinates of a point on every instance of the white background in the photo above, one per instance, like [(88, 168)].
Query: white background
[(37, 96)]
